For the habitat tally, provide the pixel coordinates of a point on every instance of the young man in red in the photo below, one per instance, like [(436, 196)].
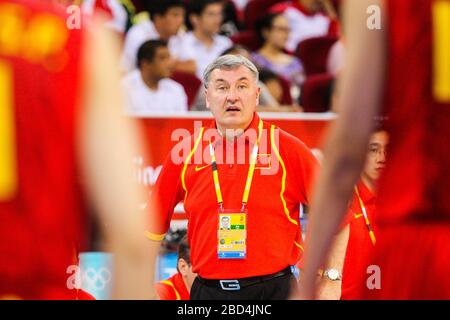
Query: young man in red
[(413, 217), (178, 286), (346, 266), (58, 116)]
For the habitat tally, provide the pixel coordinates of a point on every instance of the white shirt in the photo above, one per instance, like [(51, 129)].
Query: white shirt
[(169, 98), (119, 14), (336, 58), (240, 4), (136, 36), (188, 47), (304, 26)]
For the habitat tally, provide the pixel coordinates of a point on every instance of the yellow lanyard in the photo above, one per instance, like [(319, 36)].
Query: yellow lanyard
[(251, 170), (366, 218)]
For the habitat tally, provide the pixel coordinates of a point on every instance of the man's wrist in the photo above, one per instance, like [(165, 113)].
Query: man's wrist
[(332, 274)]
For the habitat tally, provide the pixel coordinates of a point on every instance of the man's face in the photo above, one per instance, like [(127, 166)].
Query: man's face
[(278, 34), (232, 95), (210, 20), (172, 20), (185, 269), (225, 222), (376, 155), (162, 64), (190, 277)]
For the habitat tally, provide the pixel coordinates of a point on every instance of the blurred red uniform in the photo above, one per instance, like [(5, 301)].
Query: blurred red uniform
[(41, 222), (359, 243), (173, 288), (413, 217)]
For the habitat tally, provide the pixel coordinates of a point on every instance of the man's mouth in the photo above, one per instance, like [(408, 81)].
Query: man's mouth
[(232, 109)]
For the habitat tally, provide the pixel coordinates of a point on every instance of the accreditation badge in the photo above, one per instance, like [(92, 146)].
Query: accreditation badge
[(232, 235)]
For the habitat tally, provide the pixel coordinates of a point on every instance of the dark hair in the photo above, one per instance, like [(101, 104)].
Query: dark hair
[(379, 124), (265, 23), (196, 7), (266, 75), (148, 49), (160, 7), (184, 251)]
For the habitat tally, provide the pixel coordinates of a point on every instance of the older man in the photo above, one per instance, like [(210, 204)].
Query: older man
[(248, 170)]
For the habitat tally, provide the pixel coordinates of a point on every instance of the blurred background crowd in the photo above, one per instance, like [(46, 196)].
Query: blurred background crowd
[(297, 45)]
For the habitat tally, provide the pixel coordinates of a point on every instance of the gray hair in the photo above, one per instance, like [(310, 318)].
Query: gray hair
[(229, 62)]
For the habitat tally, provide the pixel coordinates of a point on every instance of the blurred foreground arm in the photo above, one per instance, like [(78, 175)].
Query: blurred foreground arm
[(108, 143), (359, 101)]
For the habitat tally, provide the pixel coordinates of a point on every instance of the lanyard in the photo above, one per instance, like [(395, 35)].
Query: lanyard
[(251, 170), (366, 218)]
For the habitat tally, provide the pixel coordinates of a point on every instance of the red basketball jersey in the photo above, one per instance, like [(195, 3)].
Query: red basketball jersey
[(40, 219), (416, 181)]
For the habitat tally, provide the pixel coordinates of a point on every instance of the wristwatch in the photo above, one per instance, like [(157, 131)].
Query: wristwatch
[(332, 274)]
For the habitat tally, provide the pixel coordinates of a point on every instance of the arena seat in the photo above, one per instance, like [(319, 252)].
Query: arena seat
[(190, 83), (248, 39), (316, 93), (313, 53), (255, 10)]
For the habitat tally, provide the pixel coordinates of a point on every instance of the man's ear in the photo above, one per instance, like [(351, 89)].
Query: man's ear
[(258, 92), (206, 99), (183, 266)]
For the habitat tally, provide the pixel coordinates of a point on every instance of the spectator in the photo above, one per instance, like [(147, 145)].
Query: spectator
[(166, 18), (178, 287), (119, 16), (272, 83), (274, 31), (308, 19), (149, 89), (202, 43)]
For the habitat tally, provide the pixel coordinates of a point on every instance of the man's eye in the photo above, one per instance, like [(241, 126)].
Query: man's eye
[(242, 86)]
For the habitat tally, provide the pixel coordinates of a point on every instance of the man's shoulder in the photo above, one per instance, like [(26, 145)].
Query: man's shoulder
[(143, 29), (222, 41), (191, 139), (169, 84), (186, 37), (288, 141), (131, 79), (165, 291), (281, 7)]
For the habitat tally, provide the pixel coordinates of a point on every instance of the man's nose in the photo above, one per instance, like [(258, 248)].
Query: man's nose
[(381, 155), (232, 95)]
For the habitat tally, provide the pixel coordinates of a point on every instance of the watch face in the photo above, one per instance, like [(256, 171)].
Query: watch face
[(333, 274)]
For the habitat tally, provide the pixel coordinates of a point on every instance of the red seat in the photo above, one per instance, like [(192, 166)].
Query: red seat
[(286, 98), (313, 53), (248, 39), (316, 93), (190, 83), (257, 9)]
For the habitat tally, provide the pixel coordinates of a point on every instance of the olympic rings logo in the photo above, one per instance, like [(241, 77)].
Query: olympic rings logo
[(90, 278)]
